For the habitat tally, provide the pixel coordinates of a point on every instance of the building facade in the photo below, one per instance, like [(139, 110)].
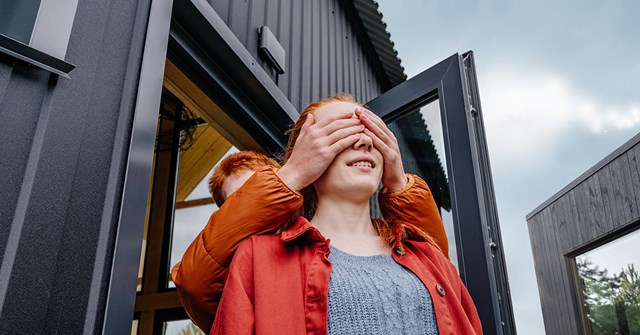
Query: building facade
[(114, 112), (585, 248)]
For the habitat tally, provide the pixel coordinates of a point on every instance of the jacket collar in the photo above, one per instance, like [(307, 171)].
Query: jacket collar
[(299, 228)]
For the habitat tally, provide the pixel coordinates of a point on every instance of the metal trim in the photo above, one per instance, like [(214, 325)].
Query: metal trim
[(126, 257), (33, 56), (222, 64), (471, 193), (593, 170)]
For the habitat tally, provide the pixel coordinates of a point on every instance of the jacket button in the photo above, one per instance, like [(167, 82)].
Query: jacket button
[(399, 251), (440, 290)]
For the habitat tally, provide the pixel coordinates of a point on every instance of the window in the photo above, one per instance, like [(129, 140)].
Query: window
[(193, 134), (420, 136), (609, 286), (38, 31)]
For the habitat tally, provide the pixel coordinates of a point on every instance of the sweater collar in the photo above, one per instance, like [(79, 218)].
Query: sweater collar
[(299, 228)]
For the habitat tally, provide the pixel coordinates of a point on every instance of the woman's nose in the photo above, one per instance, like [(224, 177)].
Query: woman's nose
[(363, 143)]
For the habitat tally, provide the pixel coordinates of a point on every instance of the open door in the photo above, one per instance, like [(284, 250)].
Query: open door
[(437, 119)]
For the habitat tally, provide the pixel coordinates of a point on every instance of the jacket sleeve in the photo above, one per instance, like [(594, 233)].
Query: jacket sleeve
[(259, 206), (235, 314), (414, 203)]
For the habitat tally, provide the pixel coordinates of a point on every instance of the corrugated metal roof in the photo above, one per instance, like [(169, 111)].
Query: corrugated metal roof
[(380, 38)]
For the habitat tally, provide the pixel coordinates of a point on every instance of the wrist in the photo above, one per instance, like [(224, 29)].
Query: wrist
[(290, 178), (397, 185)]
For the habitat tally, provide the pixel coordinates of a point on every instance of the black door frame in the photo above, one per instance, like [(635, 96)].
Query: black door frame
[(182, 29), (480, 254)]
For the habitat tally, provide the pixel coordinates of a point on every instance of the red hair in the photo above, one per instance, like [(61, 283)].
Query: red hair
[(394, 233), (243, 160)]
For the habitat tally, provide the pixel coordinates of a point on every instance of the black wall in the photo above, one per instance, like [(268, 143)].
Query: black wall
[(323, 54), (600, 205), (64, 145)]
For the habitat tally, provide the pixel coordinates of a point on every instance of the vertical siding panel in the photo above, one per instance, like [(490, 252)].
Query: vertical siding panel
[(634, 166), (608, 195), (284, 35), (325, 29), (362, 80), (255, 14), (316, 53), (344, 58), (269, 19), (566, 240), (605, 193), (597, 205), (353, 54), (20, 107), (296, 53), (629, 205), (548, 269), (339, 42), (221, 8), (539, 254), (238, 11), (552, 253), (561, 269), (333, 49), (307, 57), (583, 216)]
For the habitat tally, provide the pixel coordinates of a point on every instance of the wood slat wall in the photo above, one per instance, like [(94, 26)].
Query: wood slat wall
[(593, 212), (323, 53)]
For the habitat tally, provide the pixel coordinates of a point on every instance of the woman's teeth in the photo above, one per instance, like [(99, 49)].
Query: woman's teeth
[(363, 163)]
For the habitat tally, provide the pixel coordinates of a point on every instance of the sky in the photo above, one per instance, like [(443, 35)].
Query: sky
[(559, 92)]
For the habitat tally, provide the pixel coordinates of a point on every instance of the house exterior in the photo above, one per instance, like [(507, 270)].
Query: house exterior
[(114, 112), (584, 241)]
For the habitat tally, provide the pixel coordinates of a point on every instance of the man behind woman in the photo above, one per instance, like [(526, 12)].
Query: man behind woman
[(337, 155)]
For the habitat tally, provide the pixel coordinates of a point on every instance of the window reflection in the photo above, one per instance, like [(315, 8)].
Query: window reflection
[(421, 141), (609, 286), (192, 214), (181, 327)]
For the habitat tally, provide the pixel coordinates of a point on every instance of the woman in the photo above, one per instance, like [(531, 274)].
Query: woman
[(333, 271)]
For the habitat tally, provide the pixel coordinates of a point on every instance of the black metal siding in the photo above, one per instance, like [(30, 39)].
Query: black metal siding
[(63, 143), (599, 207), (323, 54)]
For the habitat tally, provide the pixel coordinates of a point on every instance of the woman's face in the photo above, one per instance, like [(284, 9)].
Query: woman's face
[(356, 171)]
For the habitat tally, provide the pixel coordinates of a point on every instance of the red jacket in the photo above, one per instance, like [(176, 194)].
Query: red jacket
[(278, 284), (260, 206)]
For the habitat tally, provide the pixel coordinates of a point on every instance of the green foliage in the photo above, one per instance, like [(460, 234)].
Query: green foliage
[(612, 302)]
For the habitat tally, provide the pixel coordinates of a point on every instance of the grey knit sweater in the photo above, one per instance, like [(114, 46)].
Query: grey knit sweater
[(376, 295)]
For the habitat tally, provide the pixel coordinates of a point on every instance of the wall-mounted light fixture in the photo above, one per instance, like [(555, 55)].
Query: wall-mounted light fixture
[(271, 49)]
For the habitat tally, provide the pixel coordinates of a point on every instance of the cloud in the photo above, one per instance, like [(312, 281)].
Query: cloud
[(527, 112)]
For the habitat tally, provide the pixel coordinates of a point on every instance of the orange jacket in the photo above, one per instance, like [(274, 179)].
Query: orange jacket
[(260, 206), (278, 284)]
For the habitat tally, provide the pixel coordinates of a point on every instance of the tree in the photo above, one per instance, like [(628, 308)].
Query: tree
[(611, 302)]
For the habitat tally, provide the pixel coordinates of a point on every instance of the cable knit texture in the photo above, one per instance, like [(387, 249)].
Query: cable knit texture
[(376, 295)]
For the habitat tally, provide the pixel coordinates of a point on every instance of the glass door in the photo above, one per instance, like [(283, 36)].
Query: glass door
[(437, 119)]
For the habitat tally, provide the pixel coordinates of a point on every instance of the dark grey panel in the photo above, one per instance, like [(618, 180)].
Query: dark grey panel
[(61, 177), (24, 90), (595, 210)]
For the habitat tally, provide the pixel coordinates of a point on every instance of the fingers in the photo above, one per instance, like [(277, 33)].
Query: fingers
[(384, 149), (344, 132), (344, 143), (345, 114), (307, 123), (375, 124), (337, 125)]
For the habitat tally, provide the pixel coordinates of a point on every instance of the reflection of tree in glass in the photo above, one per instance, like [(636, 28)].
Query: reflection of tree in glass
[(191, 329), (611, 302)]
